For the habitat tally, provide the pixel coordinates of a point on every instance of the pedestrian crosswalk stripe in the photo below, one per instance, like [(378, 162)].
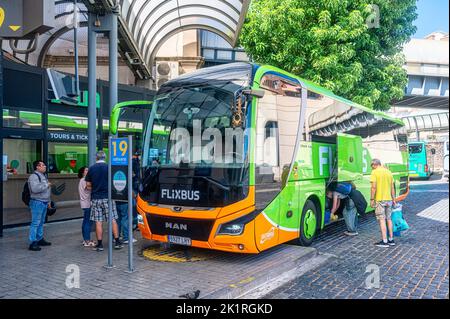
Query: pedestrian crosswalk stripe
[(438, 211)]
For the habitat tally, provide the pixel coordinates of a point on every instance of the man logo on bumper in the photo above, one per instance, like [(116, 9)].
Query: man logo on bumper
[(176, 226)]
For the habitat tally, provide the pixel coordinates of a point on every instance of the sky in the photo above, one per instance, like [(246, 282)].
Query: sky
[(433, 16)]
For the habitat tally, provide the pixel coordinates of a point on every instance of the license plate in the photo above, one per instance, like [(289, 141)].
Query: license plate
[(179, 240)]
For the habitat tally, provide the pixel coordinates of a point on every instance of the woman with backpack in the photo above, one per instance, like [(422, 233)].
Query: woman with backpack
[(85, 203)]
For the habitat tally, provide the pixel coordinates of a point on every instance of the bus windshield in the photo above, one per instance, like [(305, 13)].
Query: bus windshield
[(415, 148), (193, 153)]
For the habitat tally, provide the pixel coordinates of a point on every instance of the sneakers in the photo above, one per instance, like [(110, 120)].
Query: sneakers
[(118, 244), (43, 242), (98, 247), (126, 242), (382, 244), (88, 243), (34, 246), (349, 233), (391, 242)]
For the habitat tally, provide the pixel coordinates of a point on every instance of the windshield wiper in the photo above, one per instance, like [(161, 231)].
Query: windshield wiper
[(213, 181), (209, 179)]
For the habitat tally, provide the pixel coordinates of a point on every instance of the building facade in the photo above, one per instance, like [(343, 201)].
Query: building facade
[(34, 125), (156, 41), (425, 107)]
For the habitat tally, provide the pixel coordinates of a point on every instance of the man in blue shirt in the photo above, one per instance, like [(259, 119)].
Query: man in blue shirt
[(97, 182)]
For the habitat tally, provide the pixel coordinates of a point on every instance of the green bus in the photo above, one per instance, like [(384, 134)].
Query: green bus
[(418, 160), (248, 155)]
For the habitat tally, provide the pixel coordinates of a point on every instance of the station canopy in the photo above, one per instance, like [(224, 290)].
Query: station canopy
[(144, 26), (152, 22), (435, 121), (59, 40)]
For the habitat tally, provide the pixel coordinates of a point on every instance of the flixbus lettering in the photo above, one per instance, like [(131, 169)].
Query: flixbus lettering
[(179, 194)]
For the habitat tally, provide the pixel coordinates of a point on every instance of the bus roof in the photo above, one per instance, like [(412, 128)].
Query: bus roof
[(323, 91), (239, 72), (243, 71)]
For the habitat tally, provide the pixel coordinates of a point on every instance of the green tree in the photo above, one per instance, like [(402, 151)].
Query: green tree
[(335, 43)]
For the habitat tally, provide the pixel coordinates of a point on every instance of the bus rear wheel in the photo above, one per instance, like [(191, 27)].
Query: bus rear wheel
[(308, 223)]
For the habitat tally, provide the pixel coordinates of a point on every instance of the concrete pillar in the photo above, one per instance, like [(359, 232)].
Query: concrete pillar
[(92, 87)]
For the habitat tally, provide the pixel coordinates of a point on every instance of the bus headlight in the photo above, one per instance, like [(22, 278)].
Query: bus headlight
[(231, 229), (236, 227), (140, 219)]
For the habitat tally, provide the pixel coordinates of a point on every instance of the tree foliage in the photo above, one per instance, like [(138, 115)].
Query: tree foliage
[(335, 44)]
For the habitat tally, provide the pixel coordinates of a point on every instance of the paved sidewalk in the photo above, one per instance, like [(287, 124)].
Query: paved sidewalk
[(26, 274), (418, 267)]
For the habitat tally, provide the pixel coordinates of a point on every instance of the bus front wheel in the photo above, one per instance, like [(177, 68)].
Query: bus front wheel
[(308, 224)]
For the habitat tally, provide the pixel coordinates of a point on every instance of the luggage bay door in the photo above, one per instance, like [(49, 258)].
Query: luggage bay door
[(349, 155)]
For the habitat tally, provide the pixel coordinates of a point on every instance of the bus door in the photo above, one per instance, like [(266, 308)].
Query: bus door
[(350, 157), (267, 173), (277, 122)]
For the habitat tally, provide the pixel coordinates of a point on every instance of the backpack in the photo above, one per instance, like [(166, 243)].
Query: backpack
[(358, 199), (26, 194), (343, 188)]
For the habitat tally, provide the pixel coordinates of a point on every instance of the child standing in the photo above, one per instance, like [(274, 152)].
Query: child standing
[(85, 203)]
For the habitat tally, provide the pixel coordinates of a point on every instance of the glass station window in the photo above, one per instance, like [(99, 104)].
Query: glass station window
[(67, 147), (14, 118), (20, 155), (66, 158), (22, 99)]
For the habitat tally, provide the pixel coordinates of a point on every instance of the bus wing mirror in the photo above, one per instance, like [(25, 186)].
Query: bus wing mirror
[(118, 108), (433, 151), (254, 92)]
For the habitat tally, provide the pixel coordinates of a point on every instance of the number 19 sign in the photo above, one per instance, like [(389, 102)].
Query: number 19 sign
[(119, 151), (120, 176), (120, 154)]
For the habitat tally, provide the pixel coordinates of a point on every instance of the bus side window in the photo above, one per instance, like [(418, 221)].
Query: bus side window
[(271, 149)]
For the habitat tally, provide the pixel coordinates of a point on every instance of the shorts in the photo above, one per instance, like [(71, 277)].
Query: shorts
[(383, 210), (99, 210)]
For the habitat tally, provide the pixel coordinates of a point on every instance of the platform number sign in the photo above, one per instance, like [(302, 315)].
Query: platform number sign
[(119, 149), (120, 153)]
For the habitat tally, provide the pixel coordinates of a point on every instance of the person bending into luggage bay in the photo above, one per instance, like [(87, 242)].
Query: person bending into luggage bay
[(349, 212)]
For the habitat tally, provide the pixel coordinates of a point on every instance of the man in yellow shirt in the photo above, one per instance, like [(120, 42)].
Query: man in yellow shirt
[(382, 198)]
